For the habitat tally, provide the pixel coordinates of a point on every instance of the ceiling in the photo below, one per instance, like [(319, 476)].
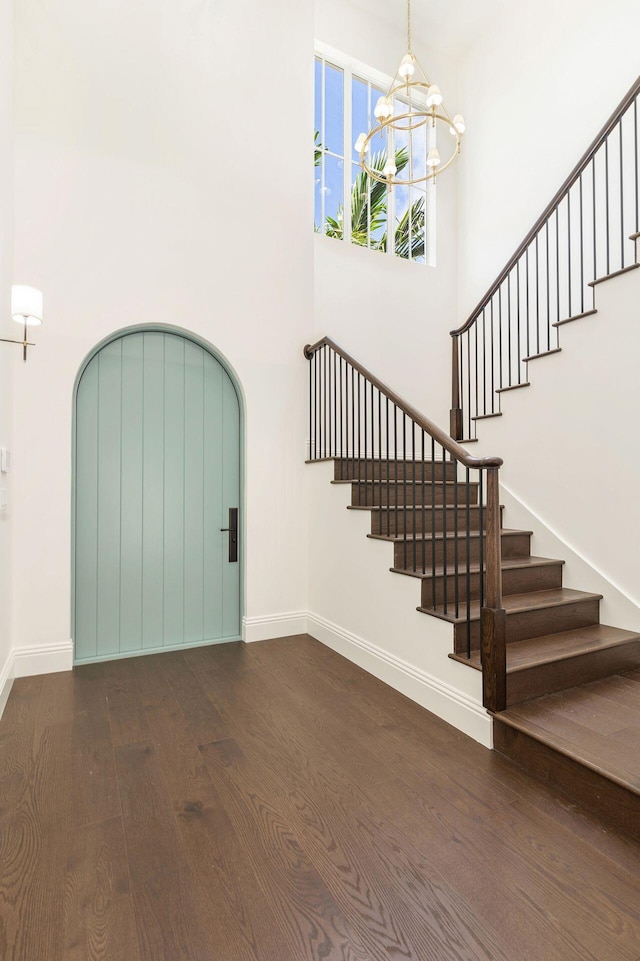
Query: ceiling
[(452, 23)]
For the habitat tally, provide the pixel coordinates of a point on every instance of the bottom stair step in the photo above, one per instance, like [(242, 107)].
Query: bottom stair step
[(585, 741), (557, 662)]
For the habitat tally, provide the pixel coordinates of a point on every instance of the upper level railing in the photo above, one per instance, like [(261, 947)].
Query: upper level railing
[(585, 233), (439, 505)]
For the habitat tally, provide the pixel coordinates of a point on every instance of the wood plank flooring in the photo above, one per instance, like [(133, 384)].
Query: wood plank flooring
[(273, 802)]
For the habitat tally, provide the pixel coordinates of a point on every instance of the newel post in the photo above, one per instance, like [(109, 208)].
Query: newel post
[(455, 418), (493, 616)]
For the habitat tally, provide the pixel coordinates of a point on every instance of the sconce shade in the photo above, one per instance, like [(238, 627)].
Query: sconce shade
[(26, 305)]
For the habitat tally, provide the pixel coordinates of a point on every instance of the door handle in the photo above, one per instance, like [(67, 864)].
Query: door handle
[(233, 534)]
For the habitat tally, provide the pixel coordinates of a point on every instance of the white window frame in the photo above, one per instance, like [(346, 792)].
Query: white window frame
[(351, 67)]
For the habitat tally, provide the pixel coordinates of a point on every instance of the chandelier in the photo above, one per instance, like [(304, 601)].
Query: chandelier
[(412, 103)]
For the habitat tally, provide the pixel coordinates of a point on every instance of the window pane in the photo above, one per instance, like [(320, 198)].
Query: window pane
[(402, 225), (333, 191), (334, 110), (359, 112), (418, 225), (378, 215)]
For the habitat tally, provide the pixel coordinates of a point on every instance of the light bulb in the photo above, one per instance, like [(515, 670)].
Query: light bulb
[(390, 169), (407, 68), (360, 142), (383, 108), (433, 158), (434, 97), (459, 124)]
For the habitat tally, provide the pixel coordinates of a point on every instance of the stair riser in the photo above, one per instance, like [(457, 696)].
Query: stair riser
[(378, 494), (394, 470), (513, 582), (513, 545), (406, 522), (591, 790), (536, 623), (564, 674)]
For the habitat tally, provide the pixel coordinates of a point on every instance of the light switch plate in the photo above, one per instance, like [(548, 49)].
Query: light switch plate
[(3, 499)]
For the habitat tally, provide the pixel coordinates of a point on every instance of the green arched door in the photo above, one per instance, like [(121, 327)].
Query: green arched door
[(157, 470)]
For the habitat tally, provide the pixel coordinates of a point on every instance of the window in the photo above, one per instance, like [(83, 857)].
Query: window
[(398, 221)]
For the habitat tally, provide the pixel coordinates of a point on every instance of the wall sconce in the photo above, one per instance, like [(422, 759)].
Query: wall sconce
[(26, 309)]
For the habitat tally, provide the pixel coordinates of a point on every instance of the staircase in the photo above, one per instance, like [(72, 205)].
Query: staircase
[(573, 684)]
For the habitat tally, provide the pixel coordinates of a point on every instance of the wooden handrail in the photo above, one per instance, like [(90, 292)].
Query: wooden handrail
[(449, 444), (584, 161)]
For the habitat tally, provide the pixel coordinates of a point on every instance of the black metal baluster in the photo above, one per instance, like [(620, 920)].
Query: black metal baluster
[(404, 486), (388, 459), (527, 298), (395, 469), (341, 412), (581, 250), (606, 187), (493, 356), (433, 523), (380, 448), (468, 563), (444, 529), (546, 244), (537, 298), (595, 244), (481, 535), (359, 440), (518, 312), (621, 199), (509, 324), (424, 532), (484, 364), (413, 490), (354, 473), (475, 343), (456, 595), (366, 479), (468, 335), (569, 285), (321, 401), (557, 265), (499, 340), (635, 137)]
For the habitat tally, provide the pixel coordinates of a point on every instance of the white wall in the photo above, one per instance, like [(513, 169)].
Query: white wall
[(535, 87), (392, 315), (145, 193), (6, 268)]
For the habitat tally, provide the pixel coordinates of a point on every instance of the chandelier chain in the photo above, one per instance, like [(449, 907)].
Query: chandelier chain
[(409, 26)]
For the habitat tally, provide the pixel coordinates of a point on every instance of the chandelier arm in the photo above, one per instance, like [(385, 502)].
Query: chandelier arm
[(378, 175)]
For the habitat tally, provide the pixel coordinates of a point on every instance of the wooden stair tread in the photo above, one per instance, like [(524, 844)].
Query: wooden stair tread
[(418, 508), (496, 413), (501, 390), (614, 273), (402, 483), (586, 727), (543, 353), (439, 535), (550, 648), (569, 320), (508, 563), (518, 603)]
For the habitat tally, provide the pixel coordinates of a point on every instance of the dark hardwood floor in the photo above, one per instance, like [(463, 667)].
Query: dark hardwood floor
[(273, 802)]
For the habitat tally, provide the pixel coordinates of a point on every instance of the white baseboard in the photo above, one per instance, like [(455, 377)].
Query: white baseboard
[(6, 681), (273, 625), (454, 706), (28, 661)]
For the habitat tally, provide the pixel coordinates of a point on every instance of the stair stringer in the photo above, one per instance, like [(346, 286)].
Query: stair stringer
[(368, 615)]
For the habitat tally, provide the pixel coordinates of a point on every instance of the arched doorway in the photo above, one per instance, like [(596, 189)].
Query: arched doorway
[(157, 440)]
